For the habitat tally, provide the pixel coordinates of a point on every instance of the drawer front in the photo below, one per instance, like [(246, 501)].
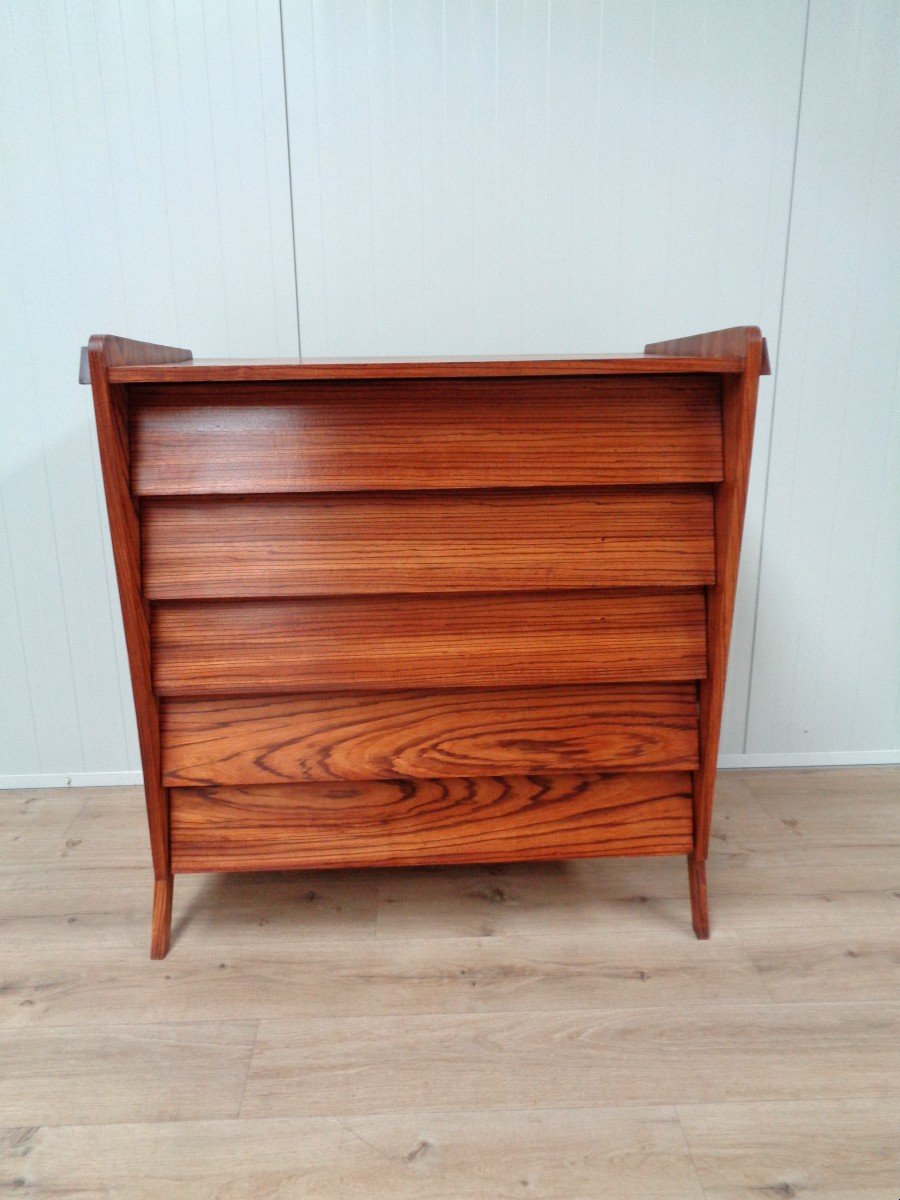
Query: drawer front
[(371, 735), (394, 435), (404, 822), (511, 540), (233, 648)]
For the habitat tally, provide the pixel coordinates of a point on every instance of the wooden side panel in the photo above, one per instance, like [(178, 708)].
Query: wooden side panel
[(426, 542), (386, 642), (112, 435), (405, 822), (371, 735), (738, 418), (393, 435)]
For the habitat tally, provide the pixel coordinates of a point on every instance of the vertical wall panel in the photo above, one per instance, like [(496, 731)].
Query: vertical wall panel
[(537, 177), (826, 675), (144, 190), (525, 176)]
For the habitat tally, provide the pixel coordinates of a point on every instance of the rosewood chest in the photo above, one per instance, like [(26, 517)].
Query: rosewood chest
[(386, 613)]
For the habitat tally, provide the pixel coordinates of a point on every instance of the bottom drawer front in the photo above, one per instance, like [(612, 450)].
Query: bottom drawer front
[(407, 822)]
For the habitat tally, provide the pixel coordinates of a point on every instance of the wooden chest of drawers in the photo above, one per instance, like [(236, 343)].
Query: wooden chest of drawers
[(389, 613)]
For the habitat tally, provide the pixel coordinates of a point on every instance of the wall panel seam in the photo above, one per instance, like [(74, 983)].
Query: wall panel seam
[(290, 173), (777, 341)]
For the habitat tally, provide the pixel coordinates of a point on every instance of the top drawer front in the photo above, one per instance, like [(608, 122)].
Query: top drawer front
[(194, 439)]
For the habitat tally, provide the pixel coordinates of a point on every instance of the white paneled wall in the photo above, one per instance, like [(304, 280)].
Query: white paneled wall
[(826, 667), (144, 190), (419, 177), (546, 177)]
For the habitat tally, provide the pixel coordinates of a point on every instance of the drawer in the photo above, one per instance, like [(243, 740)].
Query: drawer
[(393, 435), (406, 822), (306, 545), (234, 648), (378, 735)]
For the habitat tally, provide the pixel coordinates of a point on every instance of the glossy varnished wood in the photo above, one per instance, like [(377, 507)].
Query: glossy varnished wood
[(426, 734), (411, 434), (426, 542), (699, 898), (405, 822), (161, 918), (110, 410), (333, 568), (386, 642), (224, 370), (739, 394)]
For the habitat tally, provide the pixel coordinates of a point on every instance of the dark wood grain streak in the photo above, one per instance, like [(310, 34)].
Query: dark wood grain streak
[(425, 434), (426, 542), (385, 642), (421, 734), (407, 822)]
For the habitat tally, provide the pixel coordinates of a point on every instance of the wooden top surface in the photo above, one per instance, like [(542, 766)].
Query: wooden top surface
[(225, 370)]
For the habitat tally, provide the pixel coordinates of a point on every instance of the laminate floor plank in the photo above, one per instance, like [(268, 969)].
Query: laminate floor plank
[(163, 1072), (104, 907), (816, 1149), (34, 824), (809, 963), (835, 818), (744, 887), (411, 977), (550, 1030), (563, 1154), (822, 782), (700, 1054)]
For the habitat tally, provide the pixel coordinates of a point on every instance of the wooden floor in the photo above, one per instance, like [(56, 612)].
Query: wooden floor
[(525, 1031)]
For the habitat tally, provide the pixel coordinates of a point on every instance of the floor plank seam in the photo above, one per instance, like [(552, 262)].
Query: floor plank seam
[(702, 1192), (250, 1057)]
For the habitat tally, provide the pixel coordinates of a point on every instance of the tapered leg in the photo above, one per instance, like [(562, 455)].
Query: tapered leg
[(699, 902), (162, 917)]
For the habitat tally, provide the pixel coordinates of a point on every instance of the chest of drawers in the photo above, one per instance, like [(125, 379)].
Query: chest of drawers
[(390, 613)]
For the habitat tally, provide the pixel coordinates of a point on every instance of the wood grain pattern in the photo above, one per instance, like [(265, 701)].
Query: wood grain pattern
[(414, 1156), (384, 642), (699, 896), (408, 434), (344, 577), (122, 1073), (736, 1052), (392, 823), (111, 416), (426, 542), (736, 342), (161, 919), (429, 734), (225, 370), (738, 419)]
